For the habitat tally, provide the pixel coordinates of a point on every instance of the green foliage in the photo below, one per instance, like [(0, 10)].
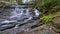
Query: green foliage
[(48, 5), (48, 18), (2, 5), (19, 2), (4, 2), (11, 1)]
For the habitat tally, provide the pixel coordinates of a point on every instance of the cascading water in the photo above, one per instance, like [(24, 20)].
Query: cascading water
[(19, 16)]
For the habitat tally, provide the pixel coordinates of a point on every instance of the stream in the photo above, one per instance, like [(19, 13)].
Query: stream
[(18, 18)]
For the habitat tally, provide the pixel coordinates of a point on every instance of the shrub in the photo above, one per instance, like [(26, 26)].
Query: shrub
[(47, 5)]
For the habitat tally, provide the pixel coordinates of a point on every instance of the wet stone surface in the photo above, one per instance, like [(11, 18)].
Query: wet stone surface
[(15, 18), (44, 29)]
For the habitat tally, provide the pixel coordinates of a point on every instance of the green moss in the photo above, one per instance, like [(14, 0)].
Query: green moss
[(48, 18)]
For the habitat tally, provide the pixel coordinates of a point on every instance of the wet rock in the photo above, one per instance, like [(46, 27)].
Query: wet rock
[(56, 20), (56, 24), (19, 19), (44, 29)]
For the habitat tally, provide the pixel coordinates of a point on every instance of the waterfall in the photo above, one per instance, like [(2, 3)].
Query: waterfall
[(19, 15)]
